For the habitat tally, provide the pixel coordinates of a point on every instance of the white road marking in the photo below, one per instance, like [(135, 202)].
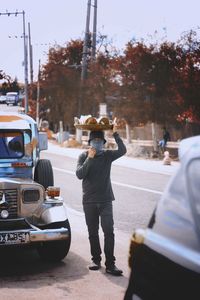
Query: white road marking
[(137, 187), (117, 183), (64, 171)]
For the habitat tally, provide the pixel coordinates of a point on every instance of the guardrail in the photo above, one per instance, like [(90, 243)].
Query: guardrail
[(149, 143), (144, 143)]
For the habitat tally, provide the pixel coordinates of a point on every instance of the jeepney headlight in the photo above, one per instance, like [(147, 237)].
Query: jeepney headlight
[(4, 214), (31, 195)]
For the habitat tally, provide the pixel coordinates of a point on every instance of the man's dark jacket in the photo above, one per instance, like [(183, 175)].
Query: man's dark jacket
[(95, 173)]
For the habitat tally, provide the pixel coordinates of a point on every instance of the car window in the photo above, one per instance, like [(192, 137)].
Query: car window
[(11, 145)]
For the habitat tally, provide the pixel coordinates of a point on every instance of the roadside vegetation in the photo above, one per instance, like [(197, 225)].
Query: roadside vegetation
[(148, 82)]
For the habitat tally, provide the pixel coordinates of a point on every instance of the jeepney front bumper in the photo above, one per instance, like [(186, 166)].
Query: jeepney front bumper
[(19, 237)]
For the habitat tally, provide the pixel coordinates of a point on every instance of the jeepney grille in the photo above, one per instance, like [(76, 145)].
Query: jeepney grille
[(8, 201)]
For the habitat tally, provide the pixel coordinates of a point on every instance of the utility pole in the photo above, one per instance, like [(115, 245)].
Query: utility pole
[(30, 54), (38, 97), (25, 53), (85, 45), (85, 57), (84, 67), (25, 64), (94, 34)]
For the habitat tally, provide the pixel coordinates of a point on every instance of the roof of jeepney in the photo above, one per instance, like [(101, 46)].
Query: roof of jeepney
[(12, 120)]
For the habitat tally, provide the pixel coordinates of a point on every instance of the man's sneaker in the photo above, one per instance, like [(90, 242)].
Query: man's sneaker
[(94, 266), (113, 270)]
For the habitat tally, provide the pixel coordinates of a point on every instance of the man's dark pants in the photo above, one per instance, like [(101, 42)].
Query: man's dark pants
[(104, 212)]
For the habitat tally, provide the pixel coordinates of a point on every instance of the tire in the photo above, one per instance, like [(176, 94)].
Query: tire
[(55, 251), (43, 173)]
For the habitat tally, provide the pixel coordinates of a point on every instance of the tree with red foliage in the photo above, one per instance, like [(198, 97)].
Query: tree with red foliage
[(147, 89), (148, 83), (60, 82), (189, 78)]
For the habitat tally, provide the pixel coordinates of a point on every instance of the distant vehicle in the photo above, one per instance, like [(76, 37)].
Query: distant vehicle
[(2, 99), (12, 98)]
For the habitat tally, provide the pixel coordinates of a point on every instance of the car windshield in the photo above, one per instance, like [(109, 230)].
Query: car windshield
[(11, 144)]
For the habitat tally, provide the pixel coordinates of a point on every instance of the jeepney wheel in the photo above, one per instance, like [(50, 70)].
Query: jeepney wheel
[(44, 173), (54, 251)]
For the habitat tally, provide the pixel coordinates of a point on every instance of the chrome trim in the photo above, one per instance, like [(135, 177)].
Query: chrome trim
[(30, 189), (9, 201), (49, 235), (46, 235), (49, 213), (179, 253)]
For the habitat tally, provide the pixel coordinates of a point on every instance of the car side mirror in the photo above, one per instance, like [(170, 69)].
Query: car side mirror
[(43, 141)]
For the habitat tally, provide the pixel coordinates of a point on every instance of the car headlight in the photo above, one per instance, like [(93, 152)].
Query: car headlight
[(31, 195)]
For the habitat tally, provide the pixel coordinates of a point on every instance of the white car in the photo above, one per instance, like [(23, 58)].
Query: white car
[(2, 99), (165, 257)]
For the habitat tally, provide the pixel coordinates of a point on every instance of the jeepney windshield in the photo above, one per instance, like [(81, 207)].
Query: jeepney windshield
[(11, 144)]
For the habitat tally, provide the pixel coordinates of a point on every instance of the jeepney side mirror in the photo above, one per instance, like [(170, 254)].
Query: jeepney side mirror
[(43, 141)]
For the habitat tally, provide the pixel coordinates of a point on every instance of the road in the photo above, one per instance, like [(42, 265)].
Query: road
[(136, 191), (25, 277)]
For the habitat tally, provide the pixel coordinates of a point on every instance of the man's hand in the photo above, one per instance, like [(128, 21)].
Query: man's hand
[(91, 152), (118, 124), (115, 128), (115, 125)]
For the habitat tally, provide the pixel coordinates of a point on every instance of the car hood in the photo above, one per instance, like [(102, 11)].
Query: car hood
[(11, 172), (11, 183)]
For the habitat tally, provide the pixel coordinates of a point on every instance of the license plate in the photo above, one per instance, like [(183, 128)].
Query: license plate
[(14, 238)]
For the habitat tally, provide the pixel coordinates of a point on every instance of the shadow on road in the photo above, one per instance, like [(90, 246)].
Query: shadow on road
[(25, 265), (117, 280)]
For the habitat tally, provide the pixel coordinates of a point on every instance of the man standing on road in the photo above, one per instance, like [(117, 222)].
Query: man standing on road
[(94, 168)]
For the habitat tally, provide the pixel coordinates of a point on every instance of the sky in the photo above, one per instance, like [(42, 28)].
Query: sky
[(57, 22)]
